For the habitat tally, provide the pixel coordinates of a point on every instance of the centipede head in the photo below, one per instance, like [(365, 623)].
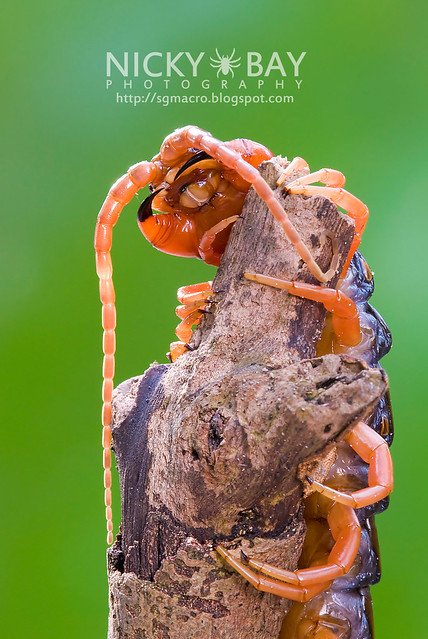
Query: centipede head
[(196, 182)]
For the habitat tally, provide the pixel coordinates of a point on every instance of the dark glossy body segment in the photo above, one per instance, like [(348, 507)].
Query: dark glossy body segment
[(344, 611)]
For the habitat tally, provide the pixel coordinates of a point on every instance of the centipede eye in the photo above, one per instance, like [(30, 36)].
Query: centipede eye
[(145, 209), (201, 155)]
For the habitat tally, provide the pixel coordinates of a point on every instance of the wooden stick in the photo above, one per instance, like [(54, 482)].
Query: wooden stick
[(208, 448)]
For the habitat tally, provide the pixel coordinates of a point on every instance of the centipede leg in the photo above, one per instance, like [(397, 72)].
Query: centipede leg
[(374, 450), (119, 195), (301, 585), (193, 299), (296, 165), (267, 584), (346, 323), (329, 177), (206, 244), (309, 624)]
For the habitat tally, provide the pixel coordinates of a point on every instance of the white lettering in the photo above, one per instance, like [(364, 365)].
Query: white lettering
[(123, 69), (152, 74), (278, 66), (195, 63), (170, 64), (296, 64), (253, 60)]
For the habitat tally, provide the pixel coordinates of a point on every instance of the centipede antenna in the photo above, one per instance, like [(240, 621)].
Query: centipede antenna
[(120, 194)]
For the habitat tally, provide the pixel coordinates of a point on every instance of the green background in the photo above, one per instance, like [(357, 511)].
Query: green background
[(361, 109)]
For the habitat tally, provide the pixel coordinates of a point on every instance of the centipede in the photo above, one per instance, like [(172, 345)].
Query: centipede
[(197, 187)]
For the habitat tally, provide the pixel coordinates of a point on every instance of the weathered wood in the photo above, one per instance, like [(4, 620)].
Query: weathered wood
[(208, 448)]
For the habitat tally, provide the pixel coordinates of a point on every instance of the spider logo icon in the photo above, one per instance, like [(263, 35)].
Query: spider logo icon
[(225, 63)]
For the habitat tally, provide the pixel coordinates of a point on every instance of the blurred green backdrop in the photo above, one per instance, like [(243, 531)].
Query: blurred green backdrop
[(361, 108)]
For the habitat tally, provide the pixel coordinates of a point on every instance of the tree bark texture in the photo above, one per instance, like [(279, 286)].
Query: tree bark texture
[(208, 448)]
